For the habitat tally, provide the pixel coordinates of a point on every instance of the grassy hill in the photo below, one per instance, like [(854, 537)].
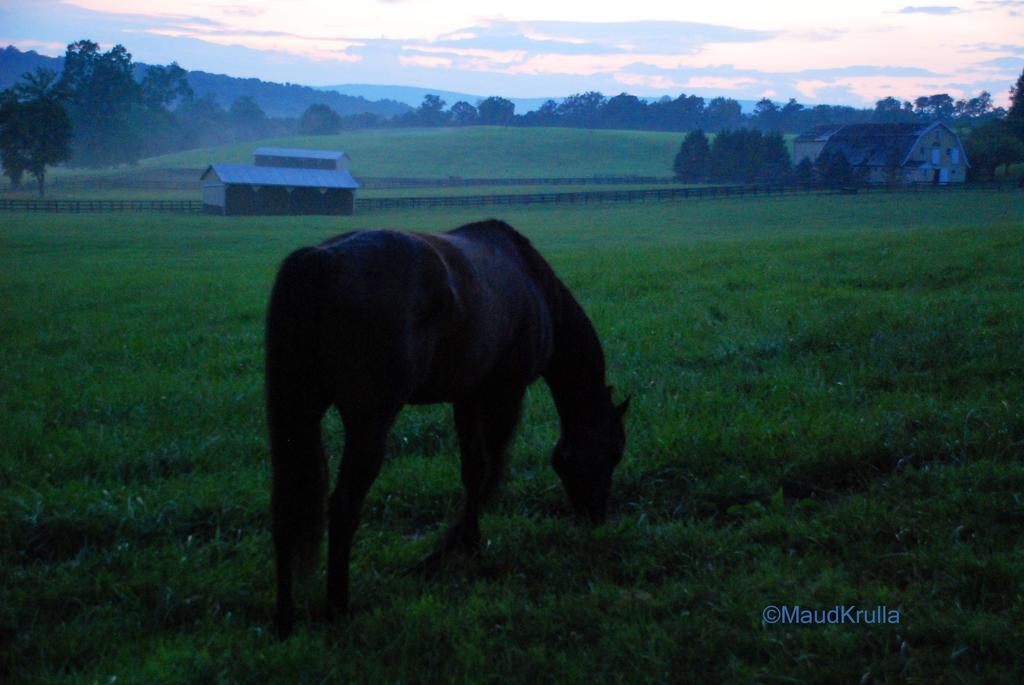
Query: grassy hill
[(479, 151), (473, 152)]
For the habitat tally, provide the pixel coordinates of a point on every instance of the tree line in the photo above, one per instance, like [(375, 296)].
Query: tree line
[(99, 113), (592, 109)]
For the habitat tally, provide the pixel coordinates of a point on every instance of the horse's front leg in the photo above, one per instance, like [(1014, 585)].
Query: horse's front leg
[(484, 425), (360, 463), (465, 533)]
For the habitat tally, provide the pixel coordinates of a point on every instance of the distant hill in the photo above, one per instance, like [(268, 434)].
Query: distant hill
[(14, 63), (276, 99), (413, 95), (288, 99)]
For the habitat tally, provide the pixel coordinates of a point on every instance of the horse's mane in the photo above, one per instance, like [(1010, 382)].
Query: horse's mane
[(554, 290), (577, 357)]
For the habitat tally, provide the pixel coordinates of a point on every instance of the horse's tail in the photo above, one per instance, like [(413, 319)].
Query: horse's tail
[(297, 398)]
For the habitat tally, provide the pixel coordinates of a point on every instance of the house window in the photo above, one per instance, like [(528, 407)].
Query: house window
[(936, 153), (955, 156)]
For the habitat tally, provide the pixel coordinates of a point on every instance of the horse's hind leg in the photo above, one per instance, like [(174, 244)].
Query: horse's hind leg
[(365, 439), (297, 499)]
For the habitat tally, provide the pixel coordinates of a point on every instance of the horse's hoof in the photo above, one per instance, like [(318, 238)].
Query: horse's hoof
[(283, 630), (428, 567), (336, 613)]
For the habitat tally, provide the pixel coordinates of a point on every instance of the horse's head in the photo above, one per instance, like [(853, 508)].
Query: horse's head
[(585, 457)]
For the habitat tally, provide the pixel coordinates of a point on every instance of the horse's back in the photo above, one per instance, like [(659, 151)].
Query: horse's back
[(435, 316)]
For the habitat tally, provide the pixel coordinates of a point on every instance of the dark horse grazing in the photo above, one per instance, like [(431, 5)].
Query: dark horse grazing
[(372, 320)]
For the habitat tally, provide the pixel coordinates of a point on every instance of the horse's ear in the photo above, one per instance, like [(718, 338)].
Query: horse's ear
[(621, 409)]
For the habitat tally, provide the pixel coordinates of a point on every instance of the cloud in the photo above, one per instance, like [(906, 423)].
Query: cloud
[(718, 83), (528, 58), (597, 38), (43, 47), (993, 47), (1011, 5), (1013, 64), (425, 61), (243, 11), (943, 10), (865, 70)]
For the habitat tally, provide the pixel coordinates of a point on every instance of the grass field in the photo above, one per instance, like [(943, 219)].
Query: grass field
[(408, 153), (828, 410), (442, 152)]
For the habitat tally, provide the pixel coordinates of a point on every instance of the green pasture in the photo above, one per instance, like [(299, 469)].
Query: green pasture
[(401, 152), (477, 151), (828, 409)]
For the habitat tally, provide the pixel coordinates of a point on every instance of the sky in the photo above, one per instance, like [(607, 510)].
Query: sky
[(851, 53)]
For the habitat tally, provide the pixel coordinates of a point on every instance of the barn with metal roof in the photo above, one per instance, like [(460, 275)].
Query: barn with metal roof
[(926, 152), (334, 160), (306, 182)]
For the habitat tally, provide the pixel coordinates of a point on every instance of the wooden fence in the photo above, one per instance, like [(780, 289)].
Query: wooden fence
[(103, 206), (385, 183), (582, 197), (188, 179), (572, 198)]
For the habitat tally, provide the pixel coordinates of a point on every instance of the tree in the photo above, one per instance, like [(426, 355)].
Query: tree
[(35, 129), (890, 111), (939, 106), (767, 114), (723, 113), (975, 108), (991, 145), (40, 84), (162, 86), (247, 117), (101, 98), (685, 113), (319, 120), (13, 163), (749, 156), (1015, 115), (789, 116), (774, 165), (202, 122), (464, 114), (624, 112), (545, 115), (581, 109), (431, 111), (803, 173), (496, 111), (691, 162), (834, 170)]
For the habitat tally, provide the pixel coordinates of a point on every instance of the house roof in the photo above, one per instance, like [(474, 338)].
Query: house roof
[(281, 176), (818, 134), (301, 153)]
